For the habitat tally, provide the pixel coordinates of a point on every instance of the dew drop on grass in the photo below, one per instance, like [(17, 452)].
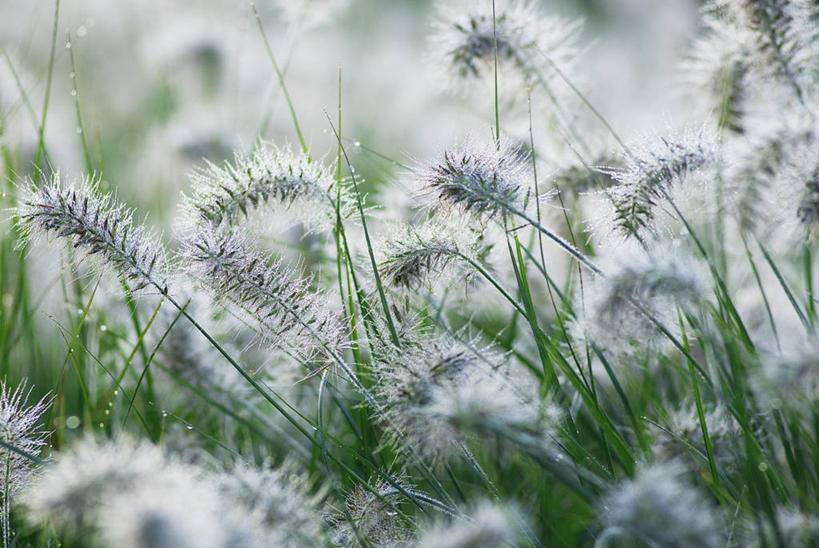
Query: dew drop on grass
[(79, 130), (103, 328), (72, 422), (164, 413), (82, 31), (763, 467), (189, 426), (68, 45), (71, 75), (107, 411), (73, 92)]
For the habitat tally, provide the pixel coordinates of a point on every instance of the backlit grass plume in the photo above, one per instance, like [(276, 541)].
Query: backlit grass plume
[(641, 288), (527, 40), (419, 255), (484, 180), (650, 172), (659, 508), (24, 439), (97, 224), (224, 195), (279, 298)]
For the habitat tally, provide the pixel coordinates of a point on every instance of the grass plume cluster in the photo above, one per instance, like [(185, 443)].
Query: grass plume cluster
[(520, 350)]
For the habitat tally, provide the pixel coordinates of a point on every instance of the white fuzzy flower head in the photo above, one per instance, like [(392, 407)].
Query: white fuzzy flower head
[(652, 170), (97, 224), (719, 73), (375, 517), (423, 255), (277, 501), (528, 41), (19, 428), (488, 525), (276, 297), (480, 179), (173, 508), (789, 378), (683, 435), (302, 189), (776, 177), (71, 491), (658, 508), (658, 280)]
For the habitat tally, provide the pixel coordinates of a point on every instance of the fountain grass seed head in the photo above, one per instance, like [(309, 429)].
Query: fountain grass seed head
[(275, 296), (659, 280), (529, 42), (421, 256), (97, 224), (650, 171), (304, 190), (489, 524), (659, 508), (483, 180), (372, 513)]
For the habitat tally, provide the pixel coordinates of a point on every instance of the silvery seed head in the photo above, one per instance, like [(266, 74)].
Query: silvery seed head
[(659, 508), (658, 280), (776, 176), (682, 435), (97, 224), (483, 180), (420, 256), (19, 428), (789, 378), (71, 490), (653, 169), (375, 517), (278, 501), (528, 41), (488, 525), (278, 298), (303, 189), (175, 507)]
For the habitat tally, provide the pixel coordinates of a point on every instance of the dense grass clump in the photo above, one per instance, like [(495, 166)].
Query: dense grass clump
[(526, 339)]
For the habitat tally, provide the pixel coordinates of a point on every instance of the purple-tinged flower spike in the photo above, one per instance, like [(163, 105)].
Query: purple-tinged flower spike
[(528, 41), (305, 189), (659, 508), (98, 224)]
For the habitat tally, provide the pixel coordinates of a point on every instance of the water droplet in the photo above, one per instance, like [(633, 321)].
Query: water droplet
[(189, 426), (68, 45), (107, 411), (164, 413), (357, 144), (73, 93), (80, 311), (763, 467), (70, 350), (79, 130), (71, 75), (81, 31), (72, 422), (103, 327), (116, 392), (102, 425), (352, 169), (110, 404)]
